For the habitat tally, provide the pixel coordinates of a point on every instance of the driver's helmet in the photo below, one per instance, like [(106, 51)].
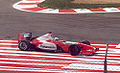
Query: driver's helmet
[(27, 35), (56, 39)]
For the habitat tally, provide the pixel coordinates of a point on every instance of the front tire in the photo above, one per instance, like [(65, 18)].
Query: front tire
[(74, 50), (24, 45)]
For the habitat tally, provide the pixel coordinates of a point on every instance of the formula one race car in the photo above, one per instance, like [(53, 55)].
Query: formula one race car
[(48, 42)]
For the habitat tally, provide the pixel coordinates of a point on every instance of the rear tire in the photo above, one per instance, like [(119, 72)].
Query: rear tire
[(24, 45), (74, 50)]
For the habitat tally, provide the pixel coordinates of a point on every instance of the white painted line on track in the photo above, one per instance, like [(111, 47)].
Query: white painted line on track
[(7, 44), (22, 69), (111, 9), (71, 66), (66, 58), (45, 70), (29, 52), (1, 62), (83, 66), (39, 60), (41, 53), (49, 11), (102, 45), (8, 41), (8, 48), (26, 6), (83, 11)]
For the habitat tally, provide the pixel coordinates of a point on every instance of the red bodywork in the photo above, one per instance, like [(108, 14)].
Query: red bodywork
[(85, 49)]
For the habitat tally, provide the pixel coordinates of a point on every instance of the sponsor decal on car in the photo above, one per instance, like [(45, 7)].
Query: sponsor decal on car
[(48, 46), (43, 46)]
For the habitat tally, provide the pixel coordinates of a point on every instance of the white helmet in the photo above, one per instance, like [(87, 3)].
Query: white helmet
[(56, 38)]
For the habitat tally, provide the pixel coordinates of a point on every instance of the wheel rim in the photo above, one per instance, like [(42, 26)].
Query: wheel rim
[(23, 45)]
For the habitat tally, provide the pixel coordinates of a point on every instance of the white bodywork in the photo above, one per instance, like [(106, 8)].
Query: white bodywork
[(47, 45)]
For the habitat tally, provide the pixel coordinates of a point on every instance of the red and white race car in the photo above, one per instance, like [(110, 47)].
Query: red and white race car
[(48, 42)]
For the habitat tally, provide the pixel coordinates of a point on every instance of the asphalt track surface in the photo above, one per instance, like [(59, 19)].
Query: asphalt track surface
[(94, 27)]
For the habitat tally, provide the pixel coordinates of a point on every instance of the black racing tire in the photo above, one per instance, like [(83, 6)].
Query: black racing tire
[(74, 50), (24, 45), (86, 42)]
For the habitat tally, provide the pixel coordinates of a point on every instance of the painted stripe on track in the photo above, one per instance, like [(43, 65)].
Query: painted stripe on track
[(14, 60)]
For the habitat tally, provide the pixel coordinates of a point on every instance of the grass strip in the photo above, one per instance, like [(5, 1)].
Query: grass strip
[(66, 4)]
